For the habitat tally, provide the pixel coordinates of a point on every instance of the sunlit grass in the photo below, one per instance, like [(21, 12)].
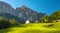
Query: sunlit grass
[(34, 28)]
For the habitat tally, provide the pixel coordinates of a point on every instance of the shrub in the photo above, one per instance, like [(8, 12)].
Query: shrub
[(13, 22), (4, 23)]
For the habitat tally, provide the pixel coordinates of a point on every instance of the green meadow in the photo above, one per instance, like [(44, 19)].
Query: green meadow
[(33, 28)]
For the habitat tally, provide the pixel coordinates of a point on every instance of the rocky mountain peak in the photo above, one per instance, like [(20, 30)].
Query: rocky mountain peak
[(5, 7), (23, 7)]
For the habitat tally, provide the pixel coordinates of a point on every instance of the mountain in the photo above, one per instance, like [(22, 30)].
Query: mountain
[(28, 14), (4, 7), (23, 13)]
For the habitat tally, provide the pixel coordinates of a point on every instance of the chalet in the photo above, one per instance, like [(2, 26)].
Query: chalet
[(27, 22), (36, 21), (57, 20)]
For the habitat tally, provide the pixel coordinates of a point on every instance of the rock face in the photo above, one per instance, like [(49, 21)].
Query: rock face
[(24, 13), (28, 14), (4, 7)]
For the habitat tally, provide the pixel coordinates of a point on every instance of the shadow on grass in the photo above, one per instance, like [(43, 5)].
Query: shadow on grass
[(9, 29), (4, 30)]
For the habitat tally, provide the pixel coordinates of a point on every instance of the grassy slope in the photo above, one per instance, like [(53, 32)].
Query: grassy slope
[(32, 28)]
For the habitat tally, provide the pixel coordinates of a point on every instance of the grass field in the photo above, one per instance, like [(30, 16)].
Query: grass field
[(33, 28)]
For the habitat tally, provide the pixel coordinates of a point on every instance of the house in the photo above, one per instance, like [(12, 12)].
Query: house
[(27, 22), (57, 20), (36, 21)]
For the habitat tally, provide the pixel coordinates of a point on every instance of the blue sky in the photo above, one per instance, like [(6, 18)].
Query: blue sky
[(44, 6)]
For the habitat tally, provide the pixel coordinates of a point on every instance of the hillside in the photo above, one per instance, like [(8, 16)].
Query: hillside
[(33, 28), (55, 16)]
